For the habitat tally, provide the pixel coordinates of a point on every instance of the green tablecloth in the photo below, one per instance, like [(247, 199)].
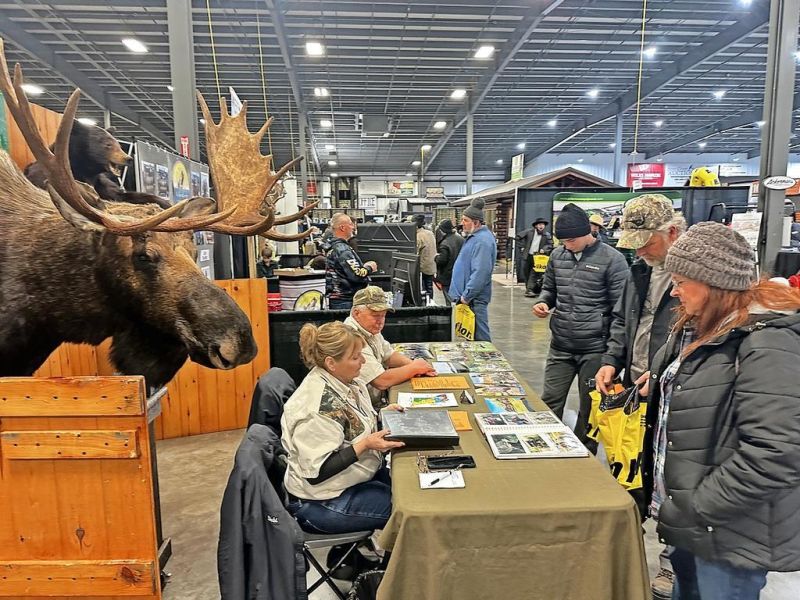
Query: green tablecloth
[(544, 529)]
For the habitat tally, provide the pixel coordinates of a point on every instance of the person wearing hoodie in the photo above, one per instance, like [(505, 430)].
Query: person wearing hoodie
[(448, 247), (721, 460), (471, 282)]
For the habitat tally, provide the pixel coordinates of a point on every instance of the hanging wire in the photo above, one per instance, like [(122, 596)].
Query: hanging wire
[(639, 83), (213, 52), (291, 129), (263, 73)]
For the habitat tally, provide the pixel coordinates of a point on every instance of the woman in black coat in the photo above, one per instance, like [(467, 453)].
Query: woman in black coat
[(724, 413)]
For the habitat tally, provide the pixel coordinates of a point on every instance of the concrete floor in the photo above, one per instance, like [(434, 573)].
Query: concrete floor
[(193, 471)]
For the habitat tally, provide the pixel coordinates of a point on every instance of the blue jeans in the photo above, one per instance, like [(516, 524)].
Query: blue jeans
[(699, 579), (481, 310), (365, 506)]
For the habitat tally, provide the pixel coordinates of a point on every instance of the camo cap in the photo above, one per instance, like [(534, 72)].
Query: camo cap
[(643, 216), (373, 298)]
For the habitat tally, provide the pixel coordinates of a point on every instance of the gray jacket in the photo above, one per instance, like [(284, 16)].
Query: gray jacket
[(732, 469), (625, 320), (583, 293)]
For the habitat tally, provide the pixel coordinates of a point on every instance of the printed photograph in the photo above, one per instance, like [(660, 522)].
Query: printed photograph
[(508, 443), (536, 444)]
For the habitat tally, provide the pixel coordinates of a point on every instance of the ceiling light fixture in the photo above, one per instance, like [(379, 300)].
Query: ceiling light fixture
[(484, 52), (552, 123), (658, 123), (593, 93), (521, 146), (580, 160), (202, 121), (32, 89), (315, 49), (416, 163), (458, 94), (170, 88), (426, 147), (134, 45), (612, 146), (761, 123), (334, 174), (440, 125), (330, 147), (649, 52), (326, 123), (797, 55), (87, 121), (331, 163), (499, 161), (660, 159), (719, 94), (409, 174), (321, 92), (702, 145)]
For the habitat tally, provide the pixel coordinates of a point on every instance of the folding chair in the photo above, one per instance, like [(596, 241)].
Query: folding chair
[(314, 541)]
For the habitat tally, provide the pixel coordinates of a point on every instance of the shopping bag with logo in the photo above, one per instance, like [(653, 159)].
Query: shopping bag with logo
[(540, 263), (465, 322), (618, 422)]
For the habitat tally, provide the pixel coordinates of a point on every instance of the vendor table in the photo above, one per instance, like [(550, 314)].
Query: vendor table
[(530, 529)]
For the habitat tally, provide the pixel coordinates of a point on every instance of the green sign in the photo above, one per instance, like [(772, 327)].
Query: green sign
[(4, 142)]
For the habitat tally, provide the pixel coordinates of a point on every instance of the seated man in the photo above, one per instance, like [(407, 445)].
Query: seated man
[(383, 367)]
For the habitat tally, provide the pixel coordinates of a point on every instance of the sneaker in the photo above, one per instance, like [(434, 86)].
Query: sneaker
[(354, 564), (530, 295), (662, 585)]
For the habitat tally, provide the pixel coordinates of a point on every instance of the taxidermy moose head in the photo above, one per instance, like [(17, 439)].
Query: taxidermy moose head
[(76, 269)]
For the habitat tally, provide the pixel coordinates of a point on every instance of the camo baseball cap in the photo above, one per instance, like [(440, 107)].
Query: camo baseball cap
[(643, 216), (373, 298)]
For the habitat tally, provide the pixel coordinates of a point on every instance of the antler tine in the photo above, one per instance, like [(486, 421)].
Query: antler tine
[(243, 111), (194, 223), (284, 237), (204, 108), (261, 132), (223, 109), (298, 215)]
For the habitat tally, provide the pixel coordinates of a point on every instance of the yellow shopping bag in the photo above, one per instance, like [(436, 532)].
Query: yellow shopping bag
[(465, 322), (618, 422), (540, 263)]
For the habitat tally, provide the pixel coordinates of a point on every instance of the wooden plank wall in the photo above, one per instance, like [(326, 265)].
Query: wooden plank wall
[(47, 120), (76, 490), (199, 400)]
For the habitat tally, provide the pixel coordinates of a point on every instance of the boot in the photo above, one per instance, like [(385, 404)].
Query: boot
[(662, 584), (354, 564)]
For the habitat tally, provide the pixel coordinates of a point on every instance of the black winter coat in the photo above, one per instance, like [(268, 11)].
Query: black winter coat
[(732, 468), (584, 293), (260, 552), (345, 274), (525, 239), (625, 320), (447, 251)]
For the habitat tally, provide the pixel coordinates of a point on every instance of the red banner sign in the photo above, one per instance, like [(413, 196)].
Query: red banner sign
[(185, 146), (649, 175)]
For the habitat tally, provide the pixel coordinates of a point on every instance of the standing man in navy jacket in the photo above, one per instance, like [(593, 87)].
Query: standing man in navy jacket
[(472, 274)]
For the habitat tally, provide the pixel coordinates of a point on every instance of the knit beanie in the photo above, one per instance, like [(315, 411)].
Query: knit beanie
[(713, 254), (446, 226), (475, 210), (573, 222)]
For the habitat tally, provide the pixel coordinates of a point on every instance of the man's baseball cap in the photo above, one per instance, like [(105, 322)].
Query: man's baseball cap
[(643, 216), (373, 297)]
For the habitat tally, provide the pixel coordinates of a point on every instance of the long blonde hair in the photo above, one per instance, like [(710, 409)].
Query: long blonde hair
[(727, 309), (330, 339)]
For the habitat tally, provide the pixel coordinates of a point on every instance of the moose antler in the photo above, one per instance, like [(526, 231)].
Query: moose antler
[(68, 195), (243, 175)]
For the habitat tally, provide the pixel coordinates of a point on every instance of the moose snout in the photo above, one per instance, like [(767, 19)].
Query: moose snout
[(232, 352)]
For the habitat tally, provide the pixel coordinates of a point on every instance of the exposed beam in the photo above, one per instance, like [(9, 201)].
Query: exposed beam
[(479, 92), (757, 19), (90, 89), (279, 26)]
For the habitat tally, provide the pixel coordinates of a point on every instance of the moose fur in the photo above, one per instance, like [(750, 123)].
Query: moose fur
[(96, 158), (71, 282)]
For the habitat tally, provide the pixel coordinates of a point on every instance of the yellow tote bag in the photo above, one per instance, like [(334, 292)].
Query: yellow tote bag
[(540, 263), (465, 322)]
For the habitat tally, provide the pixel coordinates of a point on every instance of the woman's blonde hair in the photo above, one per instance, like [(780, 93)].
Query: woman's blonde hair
[(726, 310), (331, 339)]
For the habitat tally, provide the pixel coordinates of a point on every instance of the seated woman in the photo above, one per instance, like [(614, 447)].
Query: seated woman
[(335, 475)]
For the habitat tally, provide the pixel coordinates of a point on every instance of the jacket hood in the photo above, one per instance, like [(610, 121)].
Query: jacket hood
[(266, 441)]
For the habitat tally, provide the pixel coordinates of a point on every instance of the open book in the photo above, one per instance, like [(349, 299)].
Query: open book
[(529, 435)]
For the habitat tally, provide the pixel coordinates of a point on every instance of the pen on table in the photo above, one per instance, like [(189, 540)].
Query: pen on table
[(443, 477)]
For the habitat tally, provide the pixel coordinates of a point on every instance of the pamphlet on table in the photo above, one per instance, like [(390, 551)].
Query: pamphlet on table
[(426, 400), (529, 435)]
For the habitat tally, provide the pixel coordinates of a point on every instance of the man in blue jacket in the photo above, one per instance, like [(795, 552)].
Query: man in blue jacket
[(471, 283)]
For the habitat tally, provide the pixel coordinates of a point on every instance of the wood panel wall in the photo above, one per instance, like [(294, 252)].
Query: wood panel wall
[(76, 490), (47, 120), (199, 400)]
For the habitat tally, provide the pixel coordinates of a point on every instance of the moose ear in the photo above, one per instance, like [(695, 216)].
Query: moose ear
[(72, 216), (199, 206)]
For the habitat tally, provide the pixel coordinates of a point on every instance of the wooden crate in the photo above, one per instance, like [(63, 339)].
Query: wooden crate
[(199, 400), (76, 490)]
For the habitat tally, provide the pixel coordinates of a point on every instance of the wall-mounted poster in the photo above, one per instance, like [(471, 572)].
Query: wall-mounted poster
[(148, 178), (180, 182), (205, 189), (400, 188), (195, 176), (162, 181)]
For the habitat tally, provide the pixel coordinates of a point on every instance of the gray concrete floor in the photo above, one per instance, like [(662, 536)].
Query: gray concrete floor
[(193, 471)]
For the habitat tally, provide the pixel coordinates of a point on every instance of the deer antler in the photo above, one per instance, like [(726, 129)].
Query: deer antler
[(243, 176), (62, 187)]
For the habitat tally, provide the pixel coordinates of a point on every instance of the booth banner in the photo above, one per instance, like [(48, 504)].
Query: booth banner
[(517, 166), (400, 188), (649, 175), (168, 175)]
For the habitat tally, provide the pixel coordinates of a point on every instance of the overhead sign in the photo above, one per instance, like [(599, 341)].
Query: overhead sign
[(185, 146), (646, 175), (517, 166), (779, 182), (400, 188)]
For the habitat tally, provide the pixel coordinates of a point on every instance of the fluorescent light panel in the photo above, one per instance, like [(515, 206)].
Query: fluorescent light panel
[(484, 52), (440, 125), (458, 94), (315, 49), (321, 92), (426, 147), (326, 123), (134, 45), (32, 89), (87, 121)]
